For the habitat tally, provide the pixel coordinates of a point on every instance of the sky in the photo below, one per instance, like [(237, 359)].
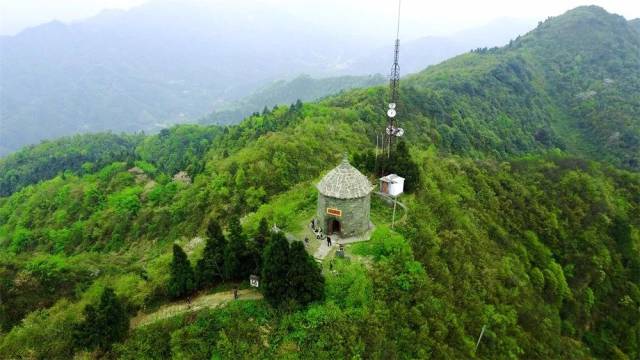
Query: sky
[(419, 17)]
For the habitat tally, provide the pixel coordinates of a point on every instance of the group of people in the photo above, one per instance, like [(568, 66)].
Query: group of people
[(317, 230)]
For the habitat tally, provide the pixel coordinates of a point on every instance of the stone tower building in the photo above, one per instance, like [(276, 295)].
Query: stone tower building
[(344, 201)]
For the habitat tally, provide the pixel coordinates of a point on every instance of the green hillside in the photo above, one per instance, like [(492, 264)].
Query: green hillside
[(80, 153), (572, 83), (522, 220)]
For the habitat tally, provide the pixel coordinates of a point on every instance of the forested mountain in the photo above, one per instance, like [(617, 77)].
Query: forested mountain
[(572, 83), (303, 88), (81, 153), (523, 220)]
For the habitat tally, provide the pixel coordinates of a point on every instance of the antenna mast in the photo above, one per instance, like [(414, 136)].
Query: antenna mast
[(394, 87)]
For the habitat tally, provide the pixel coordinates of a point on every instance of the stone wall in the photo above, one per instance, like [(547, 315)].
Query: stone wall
[(355, 214)]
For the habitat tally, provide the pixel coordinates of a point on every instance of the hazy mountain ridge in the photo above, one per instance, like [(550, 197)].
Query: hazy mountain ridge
[(415, 55), (141, 69), (286, 92), (174, 62)]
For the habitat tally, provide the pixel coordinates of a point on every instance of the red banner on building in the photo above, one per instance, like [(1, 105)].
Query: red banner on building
[(334, 212)]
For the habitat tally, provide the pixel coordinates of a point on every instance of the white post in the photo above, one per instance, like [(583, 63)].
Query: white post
[(393, 219), (480, 337)]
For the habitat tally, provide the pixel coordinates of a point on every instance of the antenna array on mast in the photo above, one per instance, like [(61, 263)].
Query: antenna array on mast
[(392, 129)]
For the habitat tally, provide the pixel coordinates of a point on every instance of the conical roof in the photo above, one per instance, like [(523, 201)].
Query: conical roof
[(344, 182)]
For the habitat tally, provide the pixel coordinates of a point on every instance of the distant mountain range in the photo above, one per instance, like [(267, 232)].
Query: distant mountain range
[(415, 55), (285, 92), (168, 62)]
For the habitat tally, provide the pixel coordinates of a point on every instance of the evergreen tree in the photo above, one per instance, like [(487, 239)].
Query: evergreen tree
[(103, 325), (210, 269), (275, 266), (262, 235), (306, 283), (237, 261), (258, 244), (181, 282), (400, 163)]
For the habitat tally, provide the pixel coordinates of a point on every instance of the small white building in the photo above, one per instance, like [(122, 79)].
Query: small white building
[(392, 184)]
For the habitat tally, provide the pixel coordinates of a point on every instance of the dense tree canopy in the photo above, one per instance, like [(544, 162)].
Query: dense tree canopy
[(81, 153)]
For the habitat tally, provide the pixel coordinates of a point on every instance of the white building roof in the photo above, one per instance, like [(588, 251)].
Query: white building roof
[(392, 178)]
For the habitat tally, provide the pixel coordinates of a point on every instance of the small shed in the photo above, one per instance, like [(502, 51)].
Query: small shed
[(344, 201), (392, 184)]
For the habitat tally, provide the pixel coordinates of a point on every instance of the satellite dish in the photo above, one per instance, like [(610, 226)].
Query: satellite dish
[(391, 113), (399, 132), (392, 105)]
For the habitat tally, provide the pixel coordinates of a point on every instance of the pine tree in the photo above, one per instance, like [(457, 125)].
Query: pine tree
[(210, 269), (181, 282), (258, 245), (401, 164), (86, 335), (237, 261), (103, 325), (306, 283), (262, 235), (275, 265)]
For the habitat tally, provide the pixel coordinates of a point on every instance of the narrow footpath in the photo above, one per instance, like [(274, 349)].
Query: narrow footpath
[(200, 302)]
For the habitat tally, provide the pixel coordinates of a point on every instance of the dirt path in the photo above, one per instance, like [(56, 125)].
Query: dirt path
[(200, 302), (322, 251)]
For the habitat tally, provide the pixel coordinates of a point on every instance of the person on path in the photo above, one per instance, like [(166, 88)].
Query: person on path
[(328, 241), (235, 293)]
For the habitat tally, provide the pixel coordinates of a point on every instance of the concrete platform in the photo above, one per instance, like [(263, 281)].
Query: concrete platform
[(336, 240), (319, 248)]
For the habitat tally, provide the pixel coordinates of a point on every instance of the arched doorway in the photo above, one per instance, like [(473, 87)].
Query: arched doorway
[(334, 226)]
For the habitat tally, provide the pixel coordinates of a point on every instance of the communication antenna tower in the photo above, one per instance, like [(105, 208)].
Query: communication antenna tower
[(392, 129)]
